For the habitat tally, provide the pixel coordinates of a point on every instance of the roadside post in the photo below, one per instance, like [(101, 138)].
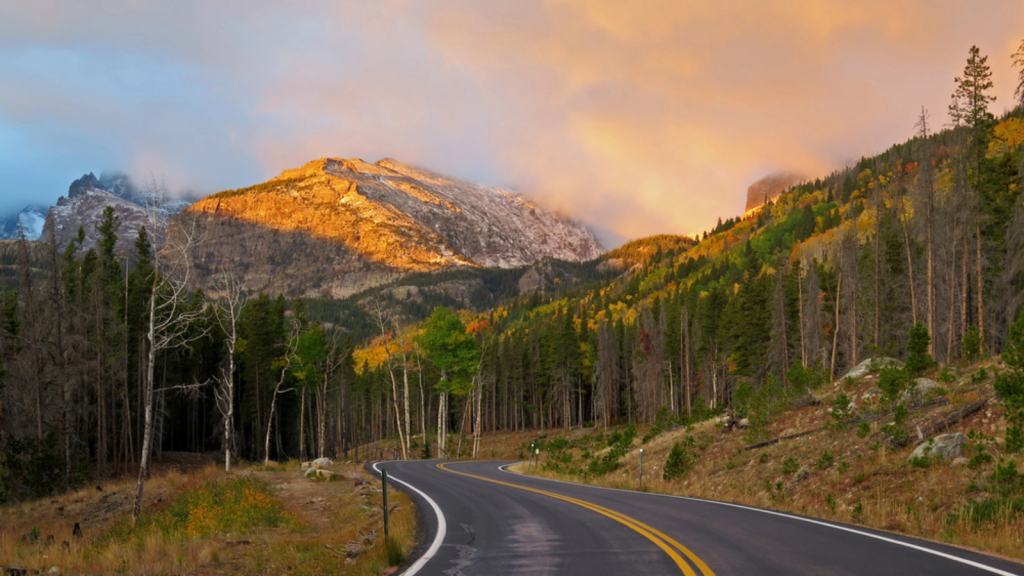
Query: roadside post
[(384, 483), (529, 466), (641, 468)]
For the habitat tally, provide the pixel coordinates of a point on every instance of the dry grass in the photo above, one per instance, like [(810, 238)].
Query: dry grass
[(325, 517), (865, 483)]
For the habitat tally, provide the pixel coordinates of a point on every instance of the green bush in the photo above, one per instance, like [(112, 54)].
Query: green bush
[(790, 465), (896, 432), (970, 345), (678, 463), (919, 360), (825, 461), (863, 429), (842, 410), (989, 510), (892, 381)]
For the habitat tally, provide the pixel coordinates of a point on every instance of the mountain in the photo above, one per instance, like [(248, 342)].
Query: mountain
[(89, 196), (769, 188), (335, 227), (31, 219)]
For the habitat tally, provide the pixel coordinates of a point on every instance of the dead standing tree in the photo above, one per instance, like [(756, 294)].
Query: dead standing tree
[(173, 314), (232, 302)]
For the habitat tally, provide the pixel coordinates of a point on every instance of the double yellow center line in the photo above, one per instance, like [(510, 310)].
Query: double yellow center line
[(667, 544)]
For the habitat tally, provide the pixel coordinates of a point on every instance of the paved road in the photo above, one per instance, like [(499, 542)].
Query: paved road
[(481, 520)]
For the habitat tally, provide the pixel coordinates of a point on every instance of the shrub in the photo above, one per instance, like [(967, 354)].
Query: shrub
[(863, 429), (946, 376), (235, 506), (895, 431), (678, 463), (989, 511), (892, 381), (979, 376), (842, 409), (970, 345), (825, 461), (790, 465), (919, 360)]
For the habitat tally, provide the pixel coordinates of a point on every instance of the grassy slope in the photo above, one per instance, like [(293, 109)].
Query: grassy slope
[(867, 482), (320, 513)]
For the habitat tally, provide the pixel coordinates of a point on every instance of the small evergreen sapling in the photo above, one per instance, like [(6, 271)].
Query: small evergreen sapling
[(919, 360), (678, 463)]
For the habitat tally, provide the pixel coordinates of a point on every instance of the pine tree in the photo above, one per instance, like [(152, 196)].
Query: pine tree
[(918, 359), (677, 464)]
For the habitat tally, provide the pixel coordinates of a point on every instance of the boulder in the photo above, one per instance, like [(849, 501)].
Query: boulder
[(743, 424), (959, 462), (322, 462), (944, 446), (864, 367), (920, 388)]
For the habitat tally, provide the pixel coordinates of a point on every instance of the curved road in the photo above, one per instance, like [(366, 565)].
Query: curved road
[(480, 519)]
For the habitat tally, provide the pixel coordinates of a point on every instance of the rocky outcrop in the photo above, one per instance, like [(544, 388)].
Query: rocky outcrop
[(85, 210), (335, 227), (769, 188), (89, 196)]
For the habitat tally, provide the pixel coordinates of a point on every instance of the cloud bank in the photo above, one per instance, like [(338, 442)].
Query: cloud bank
[(643, 117)]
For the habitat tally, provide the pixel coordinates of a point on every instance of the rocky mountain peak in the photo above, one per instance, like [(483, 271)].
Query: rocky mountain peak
[(381, 219)]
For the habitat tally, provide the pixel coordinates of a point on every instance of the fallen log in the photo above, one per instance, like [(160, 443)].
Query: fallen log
[(776, 440), (946, 422)]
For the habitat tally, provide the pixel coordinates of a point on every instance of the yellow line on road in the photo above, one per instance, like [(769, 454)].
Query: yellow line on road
[(660, 539)]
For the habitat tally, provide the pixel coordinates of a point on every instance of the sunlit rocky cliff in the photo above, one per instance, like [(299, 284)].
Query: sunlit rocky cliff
[(335, 227)]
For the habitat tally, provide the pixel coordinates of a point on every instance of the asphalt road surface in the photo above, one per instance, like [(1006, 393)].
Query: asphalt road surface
[(477, 519)]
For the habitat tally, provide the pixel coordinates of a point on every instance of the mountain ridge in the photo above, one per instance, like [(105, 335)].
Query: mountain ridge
[(347, 225)]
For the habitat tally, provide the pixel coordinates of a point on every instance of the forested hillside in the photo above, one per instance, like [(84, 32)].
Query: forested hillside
[(106, 356)]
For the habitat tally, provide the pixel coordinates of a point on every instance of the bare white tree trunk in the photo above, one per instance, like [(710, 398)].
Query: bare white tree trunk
[(288, 362), (232, 304), (172, 318)]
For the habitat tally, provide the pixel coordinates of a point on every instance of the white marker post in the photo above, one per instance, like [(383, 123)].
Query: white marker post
[(641, 468)]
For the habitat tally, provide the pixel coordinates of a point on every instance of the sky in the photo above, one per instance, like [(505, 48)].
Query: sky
[(636, 118)]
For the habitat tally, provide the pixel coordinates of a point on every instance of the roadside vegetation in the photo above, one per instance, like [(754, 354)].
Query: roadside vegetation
[(841, 452), (200, 520)]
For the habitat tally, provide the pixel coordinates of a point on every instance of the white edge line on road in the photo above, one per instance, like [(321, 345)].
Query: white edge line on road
[(442, 526), (792, 517)]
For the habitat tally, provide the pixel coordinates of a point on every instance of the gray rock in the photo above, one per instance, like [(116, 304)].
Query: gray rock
[(322, 462), (864, 367), (943, 446), (743, 424), (959, 462), (921, 388)]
